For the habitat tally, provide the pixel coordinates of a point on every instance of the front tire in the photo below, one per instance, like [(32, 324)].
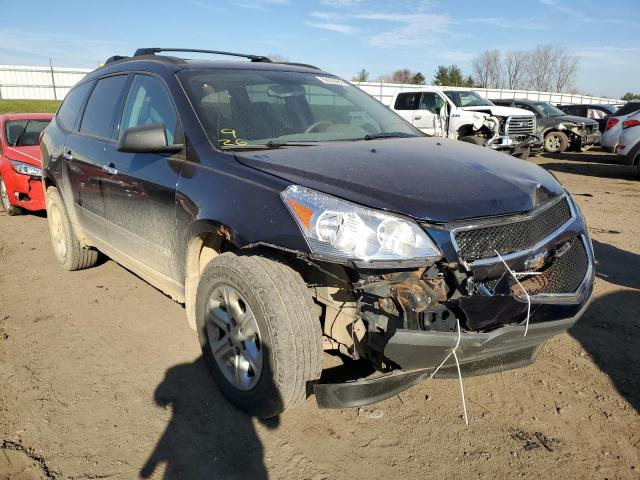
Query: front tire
[(4, 199), (555, 142), (69, 252), (258, 332)]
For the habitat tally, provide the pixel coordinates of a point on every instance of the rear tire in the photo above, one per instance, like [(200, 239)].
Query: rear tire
[(286, 332), (4, 197), (555, 142), (69, 252)]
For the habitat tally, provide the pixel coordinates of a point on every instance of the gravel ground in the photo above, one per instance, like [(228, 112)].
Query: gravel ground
[(101, 377)]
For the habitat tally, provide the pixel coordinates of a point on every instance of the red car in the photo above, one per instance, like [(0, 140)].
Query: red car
[(20, 166)]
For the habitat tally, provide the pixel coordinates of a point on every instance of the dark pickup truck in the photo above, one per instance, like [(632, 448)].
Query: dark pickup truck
[(292, 214), (559, 130)]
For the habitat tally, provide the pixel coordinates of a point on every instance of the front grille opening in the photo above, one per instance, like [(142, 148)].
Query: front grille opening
[(511, 236), (565, 274)]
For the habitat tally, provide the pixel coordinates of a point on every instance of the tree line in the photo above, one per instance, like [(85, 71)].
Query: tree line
[(544, 68)]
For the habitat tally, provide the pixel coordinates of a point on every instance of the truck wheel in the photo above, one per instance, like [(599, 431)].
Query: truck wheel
[(555, 142), (472, 139), (258, 332), (70, 253), (4, 197)]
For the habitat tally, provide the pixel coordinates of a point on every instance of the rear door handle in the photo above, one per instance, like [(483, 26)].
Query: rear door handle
[(67, 156), (110, 169)]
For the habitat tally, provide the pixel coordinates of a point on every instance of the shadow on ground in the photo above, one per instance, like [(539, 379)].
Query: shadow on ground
[(617, 266), (590, 164), (610, 332), (206, 437)]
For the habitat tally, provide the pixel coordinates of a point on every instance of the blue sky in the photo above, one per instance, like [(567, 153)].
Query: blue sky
[(341, 36)]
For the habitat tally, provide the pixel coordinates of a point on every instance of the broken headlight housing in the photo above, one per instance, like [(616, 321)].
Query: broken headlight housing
[(343, 230), (26, 168)]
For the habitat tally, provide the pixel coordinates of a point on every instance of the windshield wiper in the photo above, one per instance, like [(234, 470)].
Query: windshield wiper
[(269, 144), (373, 136), (24, 129)]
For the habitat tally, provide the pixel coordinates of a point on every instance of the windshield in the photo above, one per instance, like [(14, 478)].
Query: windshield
[(548, 110), (244, 108), (467, 99), (23, 133)]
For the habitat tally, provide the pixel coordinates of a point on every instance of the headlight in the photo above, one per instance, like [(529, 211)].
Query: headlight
[(26, 169), (344, 230)]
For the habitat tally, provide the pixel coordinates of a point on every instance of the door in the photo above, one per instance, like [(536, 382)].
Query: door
[(429, 116), (139, 189), (86, 149)]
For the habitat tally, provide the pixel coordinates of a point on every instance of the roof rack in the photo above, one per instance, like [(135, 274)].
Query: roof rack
[(153, 51)]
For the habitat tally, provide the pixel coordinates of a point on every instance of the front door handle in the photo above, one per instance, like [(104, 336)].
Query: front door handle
[(67, 156), (110, 169), (417, 117)]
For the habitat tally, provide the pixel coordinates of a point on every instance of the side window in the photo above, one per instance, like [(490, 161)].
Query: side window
[(432, 102), (97, 119), (149, 102), (71, 105), (407, 101)]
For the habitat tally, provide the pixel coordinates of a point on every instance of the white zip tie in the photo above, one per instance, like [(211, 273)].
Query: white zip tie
[(453, 352), (515, 277)]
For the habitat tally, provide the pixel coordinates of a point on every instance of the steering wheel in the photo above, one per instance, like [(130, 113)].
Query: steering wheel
[(314, 126)]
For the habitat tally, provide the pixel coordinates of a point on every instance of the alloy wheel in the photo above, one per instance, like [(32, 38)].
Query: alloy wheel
[(58, 234), (4, 195), (234, 337)]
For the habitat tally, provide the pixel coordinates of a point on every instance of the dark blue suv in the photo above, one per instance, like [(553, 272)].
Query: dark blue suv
[(292, 214)]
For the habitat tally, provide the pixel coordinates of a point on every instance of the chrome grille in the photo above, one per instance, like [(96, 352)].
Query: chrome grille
[(564, 275), (511, 235), (520, 125)]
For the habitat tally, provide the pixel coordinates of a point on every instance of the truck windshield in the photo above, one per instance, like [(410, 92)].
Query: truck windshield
[(253, 108), (548, 110), (466, 98)]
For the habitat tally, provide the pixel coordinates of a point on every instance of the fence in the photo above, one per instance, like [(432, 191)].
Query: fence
[(39, 83), (53, 83), (385, 92)]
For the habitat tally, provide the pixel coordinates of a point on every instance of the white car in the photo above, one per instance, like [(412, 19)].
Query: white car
[(613, 130), (628, 148), (465, 115)]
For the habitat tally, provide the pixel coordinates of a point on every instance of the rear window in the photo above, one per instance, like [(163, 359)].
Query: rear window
[(627, 109), (101, 107), (69, 109)]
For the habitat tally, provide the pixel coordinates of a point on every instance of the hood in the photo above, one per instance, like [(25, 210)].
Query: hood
[(500, 111), (28, 154), (432, 179), (573, 119)]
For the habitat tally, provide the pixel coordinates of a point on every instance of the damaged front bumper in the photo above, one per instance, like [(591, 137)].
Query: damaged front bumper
[(516, 146), (411, 317), (479, 353)]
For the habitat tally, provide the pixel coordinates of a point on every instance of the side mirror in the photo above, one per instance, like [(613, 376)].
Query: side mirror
[(146, 139)]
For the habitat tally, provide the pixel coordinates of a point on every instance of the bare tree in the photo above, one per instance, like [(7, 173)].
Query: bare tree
[(488, 70), (403, 75), (539, 67), (514, 65), (565, 71)]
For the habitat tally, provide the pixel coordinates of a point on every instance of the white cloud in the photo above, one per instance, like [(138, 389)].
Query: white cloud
[(334, 27), (327, 16), (412, 29), (340, 3), (63, 49)]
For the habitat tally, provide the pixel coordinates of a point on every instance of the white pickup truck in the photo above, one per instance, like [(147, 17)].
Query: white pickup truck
[(464, 115)]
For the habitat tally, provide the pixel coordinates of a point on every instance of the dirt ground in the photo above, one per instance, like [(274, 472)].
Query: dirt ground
[(101, 377)]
